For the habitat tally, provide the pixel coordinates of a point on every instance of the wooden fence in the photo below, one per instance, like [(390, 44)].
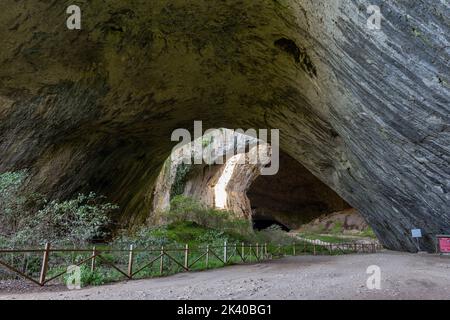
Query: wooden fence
[(186, 258)]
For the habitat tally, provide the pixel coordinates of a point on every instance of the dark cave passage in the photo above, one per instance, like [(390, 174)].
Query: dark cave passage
[(291, 198), (262, 224)]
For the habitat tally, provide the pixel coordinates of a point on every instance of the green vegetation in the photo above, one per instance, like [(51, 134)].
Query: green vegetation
[(336, 237), (187, 209), (337, 228), (326, 238), (29, 220), (74, 222), (334, 232), (180, 179), (207, 140), (368, 233)]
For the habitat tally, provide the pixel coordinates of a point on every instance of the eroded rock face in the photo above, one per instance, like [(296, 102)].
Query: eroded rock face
[(365, 111), (348, 221), (233, 162), (293, 197)]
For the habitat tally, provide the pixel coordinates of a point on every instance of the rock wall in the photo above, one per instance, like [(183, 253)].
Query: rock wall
[(346, 222), (222, 184), (292, 197), (365, 111)]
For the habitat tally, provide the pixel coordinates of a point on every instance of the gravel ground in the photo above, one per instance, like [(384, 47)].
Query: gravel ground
[(403, 276), (25, 286)]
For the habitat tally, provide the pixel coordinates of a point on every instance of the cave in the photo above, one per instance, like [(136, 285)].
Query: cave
[(263, 224), (289, 197), (365, 111), (293, 197)]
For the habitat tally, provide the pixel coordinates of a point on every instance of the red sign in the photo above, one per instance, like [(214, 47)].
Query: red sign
[(444, 244)]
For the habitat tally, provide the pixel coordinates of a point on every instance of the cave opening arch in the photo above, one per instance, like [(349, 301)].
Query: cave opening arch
[(288, 199)]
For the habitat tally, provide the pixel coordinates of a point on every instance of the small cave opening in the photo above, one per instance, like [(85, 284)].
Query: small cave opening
[(263, 224)]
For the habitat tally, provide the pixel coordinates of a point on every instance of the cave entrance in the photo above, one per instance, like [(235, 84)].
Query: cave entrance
[(262, 224), (291, 199), (294, 197)]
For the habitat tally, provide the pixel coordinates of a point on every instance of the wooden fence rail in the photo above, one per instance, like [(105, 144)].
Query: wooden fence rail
[(190, 257)]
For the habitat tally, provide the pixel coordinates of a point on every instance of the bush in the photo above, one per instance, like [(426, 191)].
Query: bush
[(187, 209), (74, 221), (274, 235), (15, 204), (26, 218), (144, 237), (180, 179)]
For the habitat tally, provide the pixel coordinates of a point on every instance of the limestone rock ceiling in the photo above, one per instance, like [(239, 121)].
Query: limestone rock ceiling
[(365, 111)]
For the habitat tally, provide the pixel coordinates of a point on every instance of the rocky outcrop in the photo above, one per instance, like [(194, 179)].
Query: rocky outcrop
[(290, 198), (343, 222), (366, 111), (221, 184)]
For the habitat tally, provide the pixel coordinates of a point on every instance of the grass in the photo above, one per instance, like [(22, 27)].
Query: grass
[(368, 233), (174, 237), (193, 234), (325, 238), (189, 223)]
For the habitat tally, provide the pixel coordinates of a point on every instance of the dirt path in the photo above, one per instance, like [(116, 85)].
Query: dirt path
[(403, 276)]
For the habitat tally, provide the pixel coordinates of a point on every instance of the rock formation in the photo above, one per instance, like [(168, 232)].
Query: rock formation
[(365, 111), (291, 198), (221, 184), (345, 222)]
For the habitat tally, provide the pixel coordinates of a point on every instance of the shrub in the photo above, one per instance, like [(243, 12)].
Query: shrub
[(144, 237), (15, 204), (274, 234), (337, 228), (26, 218), (187, 209), (74, 221), (180, 179)]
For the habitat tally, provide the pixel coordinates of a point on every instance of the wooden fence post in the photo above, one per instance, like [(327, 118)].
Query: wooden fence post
[(225, 258), (243, 252), (25, 263), (161, 261), (265, 249), (207, 256), (293, 248), (130, 262), (94, 253), (44, 266), (186, 257), (257, 251)]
